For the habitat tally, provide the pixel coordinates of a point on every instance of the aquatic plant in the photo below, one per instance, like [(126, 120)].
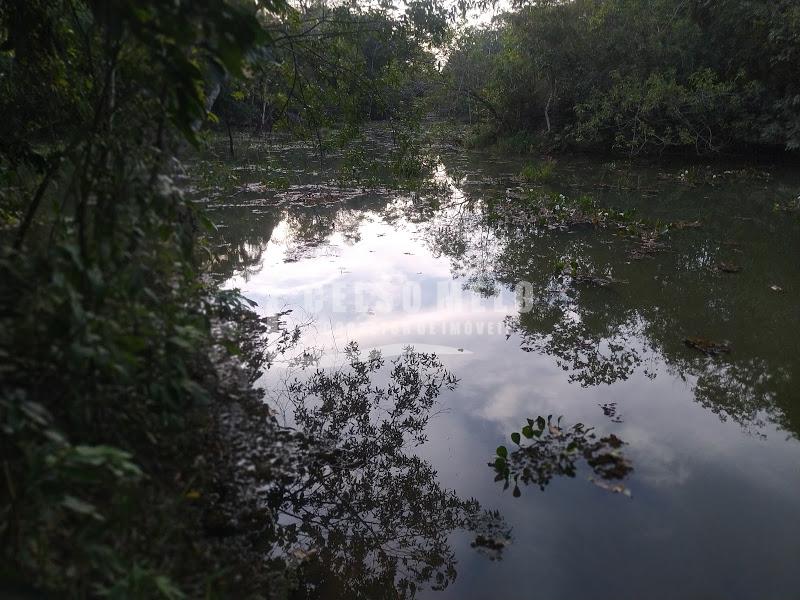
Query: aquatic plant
[(546, 449), (539, 173)]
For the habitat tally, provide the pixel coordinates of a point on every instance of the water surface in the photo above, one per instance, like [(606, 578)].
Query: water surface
[(710, 507)]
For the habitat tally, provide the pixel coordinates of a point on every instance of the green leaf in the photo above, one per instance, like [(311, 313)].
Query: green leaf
[(527, 431), (167, 588), (79, 506), (502, 452), (207, 223), (515, 438)]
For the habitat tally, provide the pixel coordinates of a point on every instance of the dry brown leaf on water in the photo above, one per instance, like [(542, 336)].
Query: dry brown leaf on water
[(727, 267), (707, 346), (614, 488)]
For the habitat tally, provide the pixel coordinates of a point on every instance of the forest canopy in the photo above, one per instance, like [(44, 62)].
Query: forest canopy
[(635, 76)]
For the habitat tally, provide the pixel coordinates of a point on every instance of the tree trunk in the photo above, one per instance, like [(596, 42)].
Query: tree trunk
[(553, 86), (228, 127)]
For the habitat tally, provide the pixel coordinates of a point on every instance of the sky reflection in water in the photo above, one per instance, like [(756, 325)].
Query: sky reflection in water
[(713, 441)]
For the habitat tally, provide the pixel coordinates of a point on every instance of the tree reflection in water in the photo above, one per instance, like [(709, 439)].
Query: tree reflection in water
[(367, 516), (603, 315)]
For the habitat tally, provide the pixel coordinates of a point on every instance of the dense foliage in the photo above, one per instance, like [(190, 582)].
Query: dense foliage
[(638, 76), (106, 334), (123, 363), (327, 66), (109, 322)]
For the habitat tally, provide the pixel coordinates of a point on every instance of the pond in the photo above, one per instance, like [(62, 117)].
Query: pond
[(656, 305)]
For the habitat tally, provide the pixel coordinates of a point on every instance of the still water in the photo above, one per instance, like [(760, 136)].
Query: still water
[(552, 318)]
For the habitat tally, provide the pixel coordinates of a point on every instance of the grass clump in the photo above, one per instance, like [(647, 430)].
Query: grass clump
[(539, 173)]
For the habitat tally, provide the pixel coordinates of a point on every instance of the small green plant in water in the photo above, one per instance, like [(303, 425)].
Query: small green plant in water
[(539, 173), (547, 449)]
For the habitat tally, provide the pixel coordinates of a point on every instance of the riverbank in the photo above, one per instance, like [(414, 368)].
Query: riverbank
[(539, 143)]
